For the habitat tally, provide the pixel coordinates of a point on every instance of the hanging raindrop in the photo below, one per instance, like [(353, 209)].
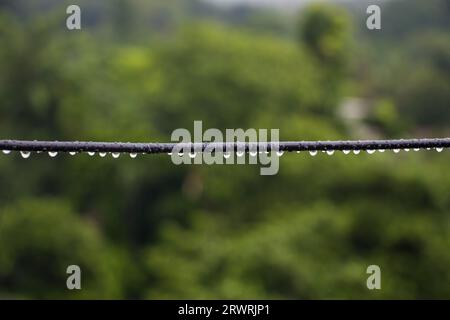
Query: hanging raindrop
[(330, 152), (25, 154), (439, 149), (180, 154), (115, 155), (102, 154), (52, 154), (227, 155), (406, 150), (72, 153), (240, 153), (6, 151), (192, 155), (356, 151), (280, 153), (416, 149), (346, 151), (381, 150), (396, 150), (313, 153), (253, 153), (133, 155), (91, 153), (370, 151)]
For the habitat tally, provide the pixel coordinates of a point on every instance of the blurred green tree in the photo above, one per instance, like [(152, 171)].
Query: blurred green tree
[(39, 239), (325, 30)]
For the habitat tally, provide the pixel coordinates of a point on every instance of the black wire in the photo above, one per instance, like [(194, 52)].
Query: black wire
[(115, 147)]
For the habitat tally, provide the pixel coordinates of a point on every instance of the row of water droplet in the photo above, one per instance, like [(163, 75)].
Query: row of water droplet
[(226, 155), (312, 152), (53, 154)]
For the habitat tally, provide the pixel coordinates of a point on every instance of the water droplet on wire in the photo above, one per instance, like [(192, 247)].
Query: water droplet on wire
[(133, 155), (115, 155), (346, 151), (72, 153), (6, 151), (313, 153), (102, 154), (53, 154), (371, 151), (330, 152), (356, 151), (25, 154), (240, 153), (280, 153), (227, 155), (91, 153), (439, 149), (396, 150), (192, 155)]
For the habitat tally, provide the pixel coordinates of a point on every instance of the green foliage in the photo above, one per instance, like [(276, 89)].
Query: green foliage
[(39, 239), (403, 18), (425, 96), (385, 116), (325, 31), (239, 91), (408, 63), (308, 253)]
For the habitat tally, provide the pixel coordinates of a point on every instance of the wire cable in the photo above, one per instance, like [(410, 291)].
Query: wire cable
[(154, 148)]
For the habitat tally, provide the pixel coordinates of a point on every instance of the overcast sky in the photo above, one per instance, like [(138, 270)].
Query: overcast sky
[(271, 3), (285, 4)]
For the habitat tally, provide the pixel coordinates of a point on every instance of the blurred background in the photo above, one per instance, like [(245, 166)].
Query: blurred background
[(147, 229)]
